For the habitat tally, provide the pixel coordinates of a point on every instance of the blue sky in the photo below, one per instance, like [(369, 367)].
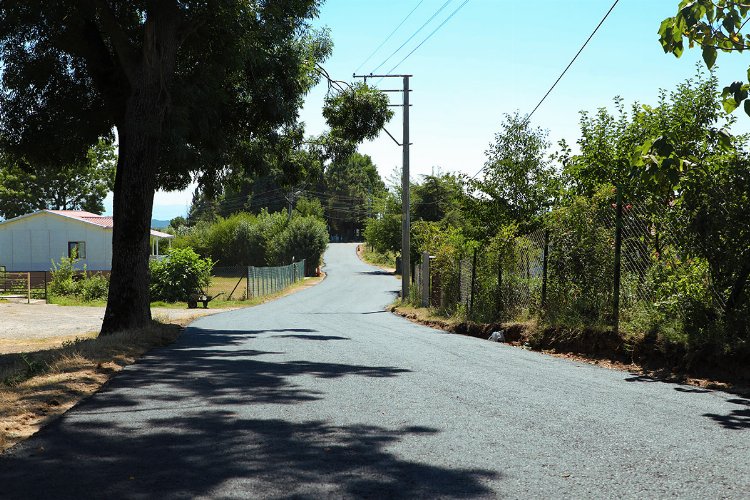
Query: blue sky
[(495, 57)]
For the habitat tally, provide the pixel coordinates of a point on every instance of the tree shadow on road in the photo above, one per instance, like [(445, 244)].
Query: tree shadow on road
[(311, 337), (181, 423), (376, 273), (221, 454), (737, 419)]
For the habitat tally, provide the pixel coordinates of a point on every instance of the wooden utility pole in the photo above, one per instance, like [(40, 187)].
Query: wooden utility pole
[(406, 202), (405, 184)]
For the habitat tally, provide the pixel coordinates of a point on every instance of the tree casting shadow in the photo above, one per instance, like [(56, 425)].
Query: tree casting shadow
[(737, 419), (220, 454)]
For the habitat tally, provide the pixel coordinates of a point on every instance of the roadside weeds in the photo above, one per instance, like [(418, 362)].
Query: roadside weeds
[(585, 347)]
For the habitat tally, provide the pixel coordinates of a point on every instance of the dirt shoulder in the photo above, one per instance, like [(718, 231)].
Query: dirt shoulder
[(604, 349), (31, 327), (51, 357)]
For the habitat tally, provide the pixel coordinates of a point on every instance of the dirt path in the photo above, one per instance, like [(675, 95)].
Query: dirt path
[(29, 327)]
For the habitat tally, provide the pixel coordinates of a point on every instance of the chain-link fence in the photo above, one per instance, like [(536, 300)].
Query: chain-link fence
[(262, 281), (593, 264)]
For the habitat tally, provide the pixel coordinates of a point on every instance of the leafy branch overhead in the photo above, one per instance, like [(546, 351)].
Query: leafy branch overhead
[(714, 25), (357, 113)]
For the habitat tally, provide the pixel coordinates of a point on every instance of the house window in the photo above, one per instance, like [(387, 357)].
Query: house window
[(77, 249)]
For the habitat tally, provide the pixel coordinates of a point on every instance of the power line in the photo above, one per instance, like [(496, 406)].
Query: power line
[(413, 35), (574, 59), (429, 36), (528, 117), (389, 36)]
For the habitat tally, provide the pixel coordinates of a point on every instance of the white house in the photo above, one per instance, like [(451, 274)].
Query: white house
[(31, 242)]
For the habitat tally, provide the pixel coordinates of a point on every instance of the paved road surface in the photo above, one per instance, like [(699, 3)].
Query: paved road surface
[(322, 394)]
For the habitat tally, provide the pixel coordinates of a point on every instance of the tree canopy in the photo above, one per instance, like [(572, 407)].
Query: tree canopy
[(82, 185), (189, 86), (714, 26)]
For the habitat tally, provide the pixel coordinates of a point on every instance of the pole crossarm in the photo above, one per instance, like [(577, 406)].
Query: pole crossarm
[(380, 76)]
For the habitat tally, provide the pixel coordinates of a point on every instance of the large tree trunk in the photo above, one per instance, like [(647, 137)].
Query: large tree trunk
[(128, 305), (140, 133)]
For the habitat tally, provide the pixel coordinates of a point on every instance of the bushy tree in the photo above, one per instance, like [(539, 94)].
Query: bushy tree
[(519, 182), (182, 273), (437, 197), (383, 231), (304, 238), (187, 84), (82, 185), (351, 184)]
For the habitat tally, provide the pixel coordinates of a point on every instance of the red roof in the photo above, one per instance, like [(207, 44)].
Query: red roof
[(99, 220)]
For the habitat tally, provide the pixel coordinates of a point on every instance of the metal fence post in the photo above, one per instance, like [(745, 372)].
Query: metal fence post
[(544, 268), (425, 278), (473, 282), (248, 292), (499, 293), (617, 270)]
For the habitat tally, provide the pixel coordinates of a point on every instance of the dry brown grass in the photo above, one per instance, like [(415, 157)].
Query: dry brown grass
[(226, 285), (36, 388)]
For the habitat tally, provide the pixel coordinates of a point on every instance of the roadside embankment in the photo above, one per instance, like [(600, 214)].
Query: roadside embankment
[(709, 367)]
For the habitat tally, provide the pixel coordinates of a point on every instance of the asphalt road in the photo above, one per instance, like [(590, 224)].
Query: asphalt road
[(323, 394)]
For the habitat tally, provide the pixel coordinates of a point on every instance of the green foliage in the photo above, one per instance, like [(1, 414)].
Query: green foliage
[(182, 273), (606, 145), (713, 26), (309, 207), (351, 185), (439, 196), (67, 281), (448, 246), (519, 182), (94, 287), (384, 234), (62, 283), (266, 239), (304, 238), (682, 291), (81, 185), (581, 262), (241, 239), (357, 113)]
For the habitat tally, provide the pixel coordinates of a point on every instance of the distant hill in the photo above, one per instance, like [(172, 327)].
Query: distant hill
[(159, 224)]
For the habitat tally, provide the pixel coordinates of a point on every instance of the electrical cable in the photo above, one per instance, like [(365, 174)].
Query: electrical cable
[(428, 36), (413, 35), (528, 117), (574, 59), (389, 36)]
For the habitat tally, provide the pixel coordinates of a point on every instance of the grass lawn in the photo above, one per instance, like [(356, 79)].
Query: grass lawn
[(220, 286)]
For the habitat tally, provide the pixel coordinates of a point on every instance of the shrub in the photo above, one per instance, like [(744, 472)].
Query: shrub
[(63, 284), (94, 287), (69, 282), (239, 240), (181, 273), (304, 238), (581, 260)]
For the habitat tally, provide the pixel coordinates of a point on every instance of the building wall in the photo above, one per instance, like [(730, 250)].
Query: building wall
[(31, 243)]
